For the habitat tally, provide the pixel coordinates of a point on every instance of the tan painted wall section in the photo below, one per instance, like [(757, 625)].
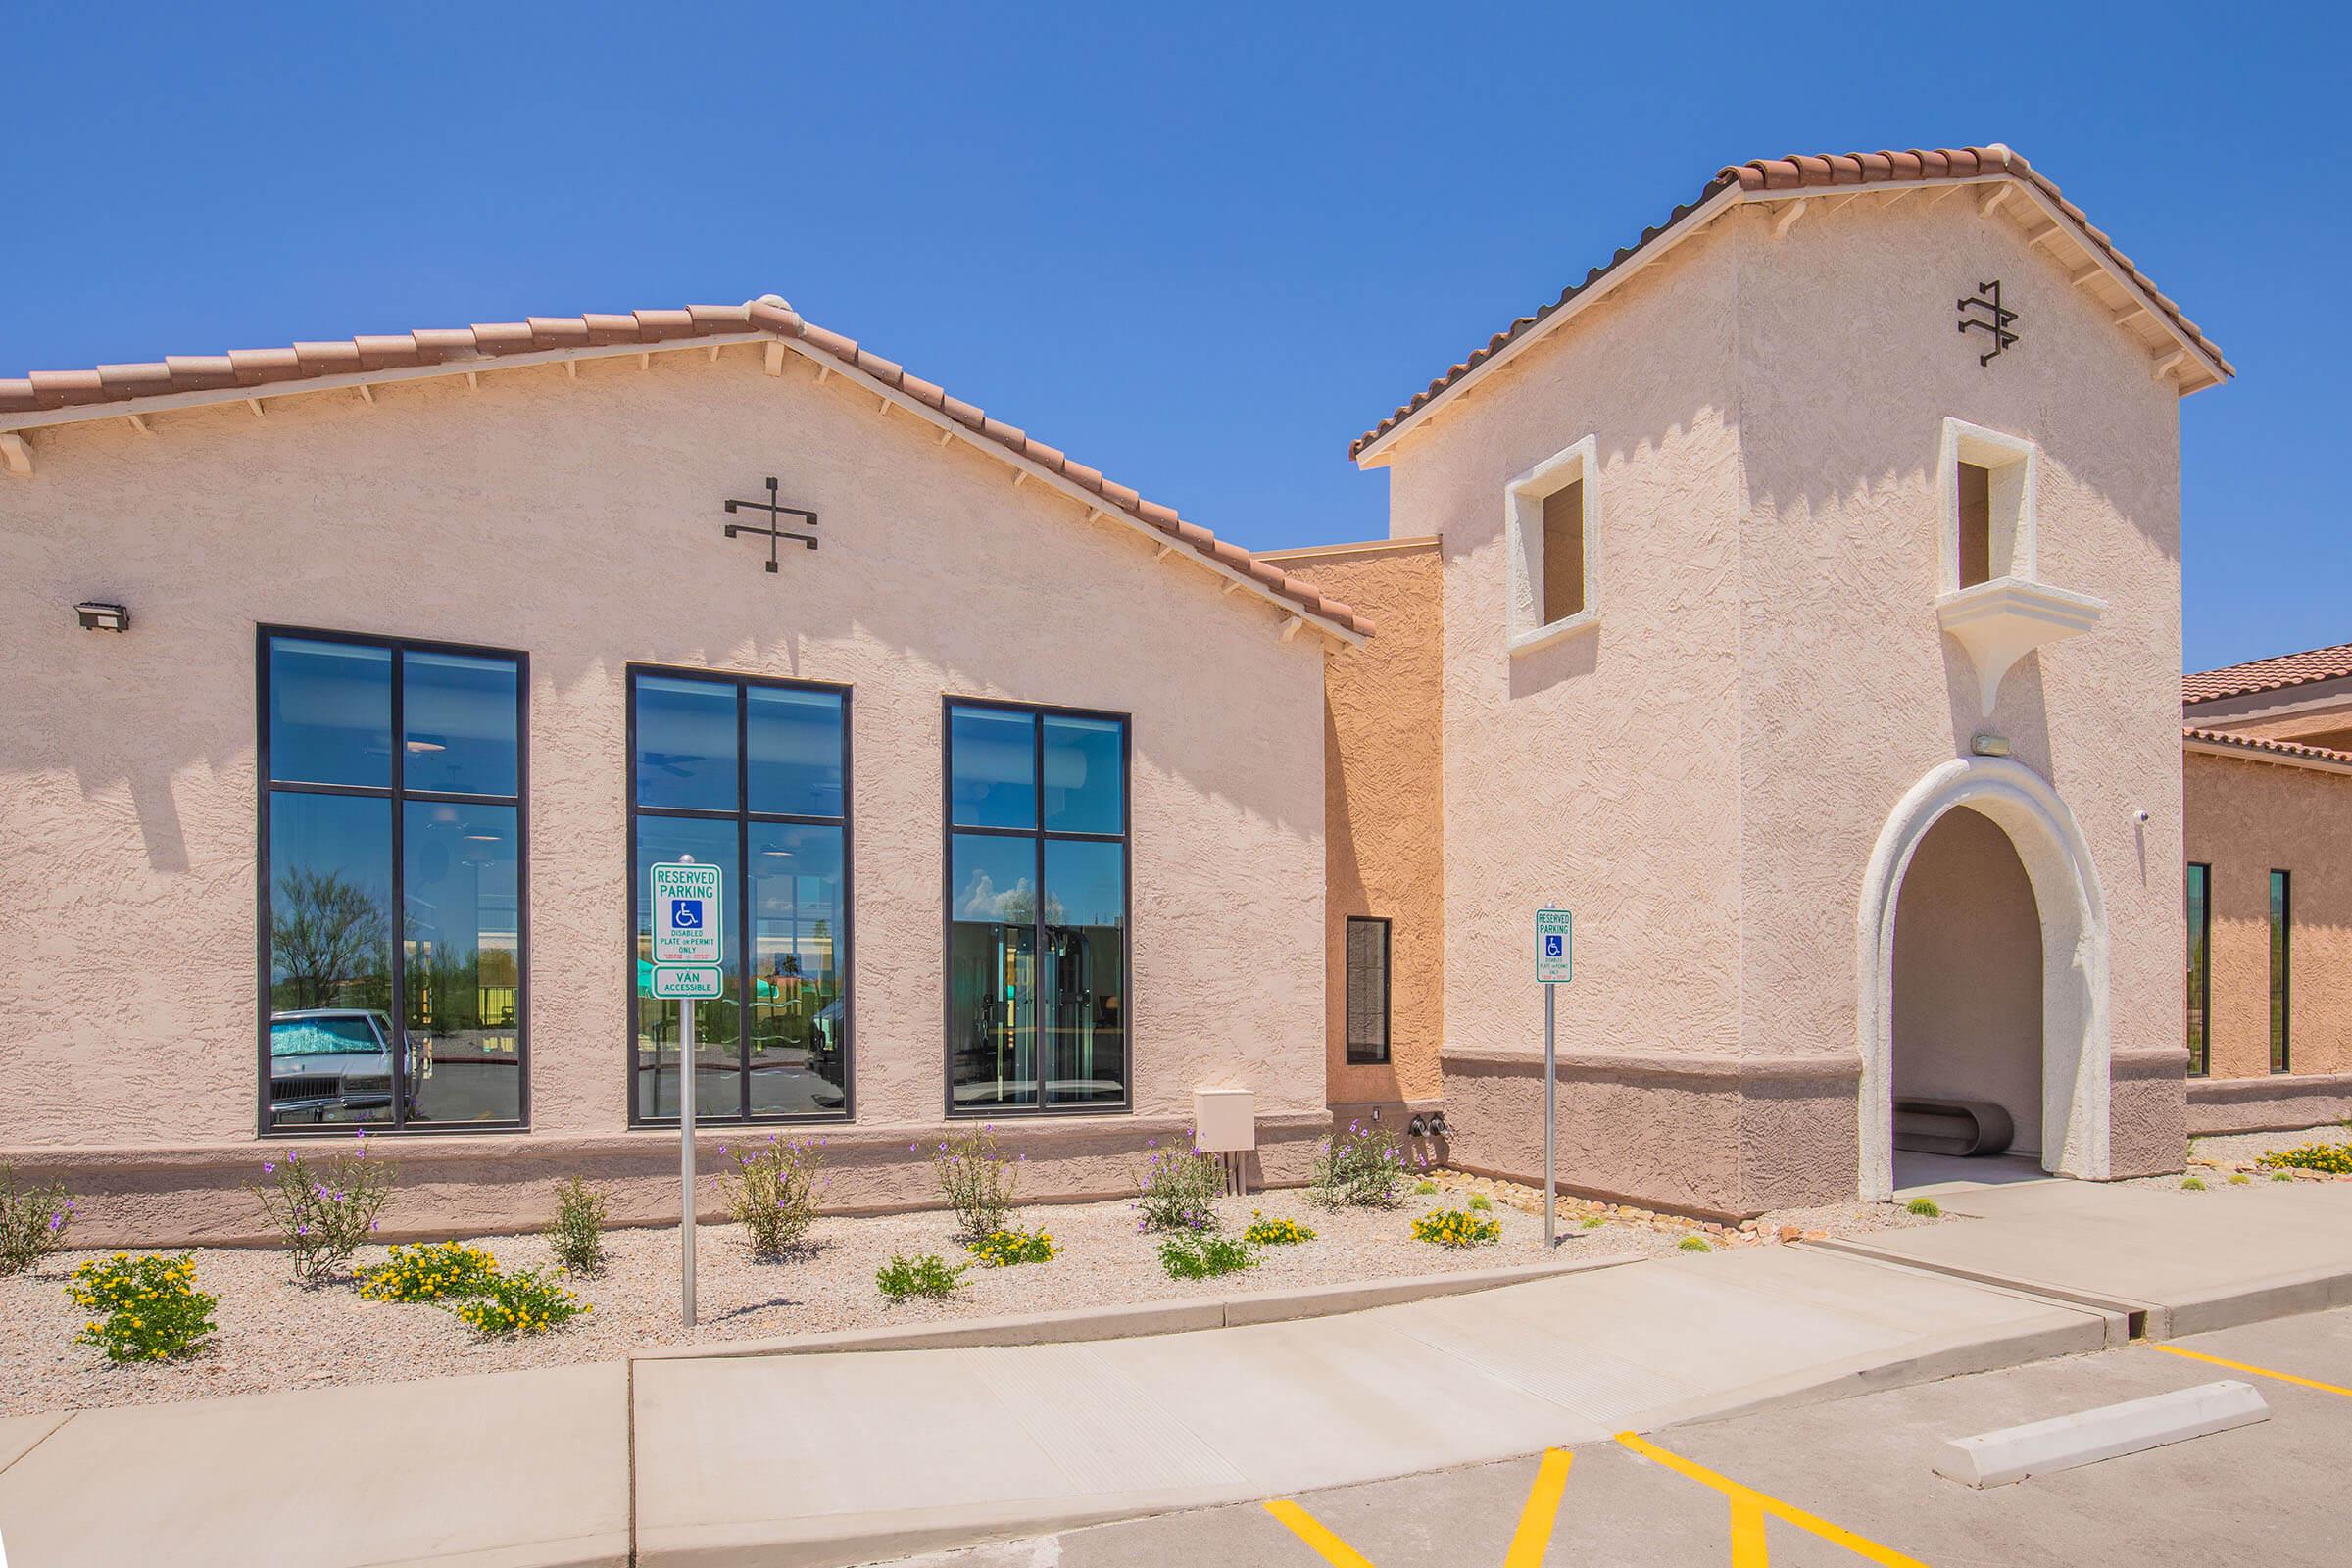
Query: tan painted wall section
[(2245, 819), (1384, 805)]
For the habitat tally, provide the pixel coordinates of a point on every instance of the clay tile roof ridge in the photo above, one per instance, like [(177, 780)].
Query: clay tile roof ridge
[(770, 316), (1798, 171)]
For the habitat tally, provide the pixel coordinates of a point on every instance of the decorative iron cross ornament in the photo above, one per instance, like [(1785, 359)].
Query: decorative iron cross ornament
[(1989, 298), (775, 533)]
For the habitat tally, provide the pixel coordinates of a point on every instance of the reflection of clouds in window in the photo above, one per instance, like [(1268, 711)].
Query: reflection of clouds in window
[(981, 900)]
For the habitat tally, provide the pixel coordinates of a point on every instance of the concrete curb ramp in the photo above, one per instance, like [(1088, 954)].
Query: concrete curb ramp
[(861, 1458)]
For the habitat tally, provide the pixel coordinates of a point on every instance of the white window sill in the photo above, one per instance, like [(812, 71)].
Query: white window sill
[(1527, 642), (1998, 622)]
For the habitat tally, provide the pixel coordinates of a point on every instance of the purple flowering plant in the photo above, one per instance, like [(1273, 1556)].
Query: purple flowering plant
[(979, 1179), (1176, 1189), (772, 1188), (1363, 1167), (33, 1220), (323, 1213)]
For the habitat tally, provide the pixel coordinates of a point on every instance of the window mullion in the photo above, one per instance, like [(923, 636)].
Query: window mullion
[(399, 1043)]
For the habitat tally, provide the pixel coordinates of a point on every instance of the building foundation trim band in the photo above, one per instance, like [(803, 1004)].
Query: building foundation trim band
[(2275, 1104), (455, 1185)]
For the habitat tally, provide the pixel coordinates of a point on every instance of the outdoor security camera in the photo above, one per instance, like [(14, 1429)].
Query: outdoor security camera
[(2140, 816)]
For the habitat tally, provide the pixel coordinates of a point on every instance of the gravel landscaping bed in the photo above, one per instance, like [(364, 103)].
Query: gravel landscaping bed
[(2239, 1150), (276, 1335)]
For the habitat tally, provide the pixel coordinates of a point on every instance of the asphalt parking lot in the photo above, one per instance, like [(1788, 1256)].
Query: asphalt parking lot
[(1837, 1483)]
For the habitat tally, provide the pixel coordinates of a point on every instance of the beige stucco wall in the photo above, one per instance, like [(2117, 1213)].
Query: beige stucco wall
[(2245, 819), (1384, 807), (581, 521), (1968, 974), (1703, 776), (1849, 364)]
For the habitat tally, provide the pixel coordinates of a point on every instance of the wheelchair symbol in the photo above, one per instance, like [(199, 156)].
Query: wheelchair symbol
[(686, 914), (1551, 946)]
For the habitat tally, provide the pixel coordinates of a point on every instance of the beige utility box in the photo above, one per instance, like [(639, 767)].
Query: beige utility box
[(1225, 1121)]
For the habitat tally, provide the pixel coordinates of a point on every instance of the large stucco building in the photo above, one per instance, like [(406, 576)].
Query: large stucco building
[(1796, 599)]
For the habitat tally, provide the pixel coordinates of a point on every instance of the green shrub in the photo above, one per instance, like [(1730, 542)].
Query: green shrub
[(1456, 1227), (2193, 1183), (1926, 1207), (2282, 1175), (1264, 1232), (1693, 1244), (1593, 1222), (33, 1220), (429, 1271), (2242, 1179), (323, 1211), (142, 1308), (1425, 1188), (772, 1192), (1193, 1257), (1007, 1247), (977, 1179), (528, 1302), (578, 1232), (1177, 1190), (1363, 1167), (2332, 1159), (1481, 1203), (930, 1276)]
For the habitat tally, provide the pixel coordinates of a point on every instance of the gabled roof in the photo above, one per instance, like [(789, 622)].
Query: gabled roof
[(2291, 751), (1795, 176), (133, 391), (2268, 674)]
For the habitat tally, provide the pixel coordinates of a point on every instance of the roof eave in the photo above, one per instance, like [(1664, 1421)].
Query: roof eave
[(2214, 369)]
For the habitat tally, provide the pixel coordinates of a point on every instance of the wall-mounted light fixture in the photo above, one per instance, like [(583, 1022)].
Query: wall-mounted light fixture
[(96, 616), (1988, 744)]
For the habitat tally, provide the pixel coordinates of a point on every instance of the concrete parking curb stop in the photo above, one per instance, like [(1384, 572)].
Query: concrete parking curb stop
[(2087, 1437), (1142, 1317)]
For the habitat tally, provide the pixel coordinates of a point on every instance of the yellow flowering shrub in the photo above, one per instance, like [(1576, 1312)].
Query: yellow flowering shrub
[(1264, 1232), (142, 1308), (1003, 1249), (1456, 1227), (429, 1271), (528, 1302), (2334, 1159)]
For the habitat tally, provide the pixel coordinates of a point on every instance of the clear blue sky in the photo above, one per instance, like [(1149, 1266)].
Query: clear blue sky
[(1200, 247)]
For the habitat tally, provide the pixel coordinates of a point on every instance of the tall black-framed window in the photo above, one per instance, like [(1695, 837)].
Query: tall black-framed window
[(1367, 999), (2282, 918), (753, 777), (1037, 909), (394, 863), (2200, 970)]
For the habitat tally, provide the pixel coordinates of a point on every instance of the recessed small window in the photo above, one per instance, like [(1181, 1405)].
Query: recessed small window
[(1367, 990), (1988, 506), (1564, 552), (1551, 517)]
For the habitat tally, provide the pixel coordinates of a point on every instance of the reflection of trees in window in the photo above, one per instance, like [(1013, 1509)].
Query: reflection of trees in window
[(328, 936)]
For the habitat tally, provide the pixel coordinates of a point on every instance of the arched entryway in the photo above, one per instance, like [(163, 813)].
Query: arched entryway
[(1951, 1052)]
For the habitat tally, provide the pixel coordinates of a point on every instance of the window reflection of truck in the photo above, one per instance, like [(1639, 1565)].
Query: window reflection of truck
[(335, 1064)]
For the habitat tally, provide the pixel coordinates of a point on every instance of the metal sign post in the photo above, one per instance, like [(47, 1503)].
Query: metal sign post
[(689, 931), (1555, 966)]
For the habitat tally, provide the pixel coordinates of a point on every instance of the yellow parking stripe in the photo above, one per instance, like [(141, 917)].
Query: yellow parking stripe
[(1748, 1505), (2257, 1371), (1533, 1535), (1309, 1529), (1747, 1534)]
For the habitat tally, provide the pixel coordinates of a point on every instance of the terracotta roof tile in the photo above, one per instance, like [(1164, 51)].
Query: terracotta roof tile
[(126, 384), (2258, 742), (2268, 674), (1797, 171)]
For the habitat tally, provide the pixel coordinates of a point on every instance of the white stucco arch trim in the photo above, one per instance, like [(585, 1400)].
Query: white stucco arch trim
[(2076, 1049)]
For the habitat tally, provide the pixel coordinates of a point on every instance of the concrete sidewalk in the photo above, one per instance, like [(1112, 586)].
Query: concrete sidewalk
[(844, 1457), (859, 1457), (2181, 1262)]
